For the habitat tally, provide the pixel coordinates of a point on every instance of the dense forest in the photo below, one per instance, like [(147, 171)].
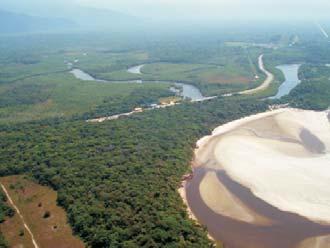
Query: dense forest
[(118, 180), (122, 104)]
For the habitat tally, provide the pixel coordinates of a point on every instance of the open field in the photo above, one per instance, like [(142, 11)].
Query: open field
[(34, 201), (204, 73)]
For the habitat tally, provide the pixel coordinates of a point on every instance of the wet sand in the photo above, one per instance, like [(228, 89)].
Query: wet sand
[(318, 242), (278, 191)]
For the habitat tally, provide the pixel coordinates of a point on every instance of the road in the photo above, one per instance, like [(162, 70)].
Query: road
[(20, 215), (269, 79)]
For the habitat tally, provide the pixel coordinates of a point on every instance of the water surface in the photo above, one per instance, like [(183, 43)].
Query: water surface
[(135, 69), (287, 231), (291, 80), (188, 91)]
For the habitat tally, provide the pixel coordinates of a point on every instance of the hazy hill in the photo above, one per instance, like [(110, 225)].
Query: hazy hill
[(61, 17), (100, 18), (11, 22)]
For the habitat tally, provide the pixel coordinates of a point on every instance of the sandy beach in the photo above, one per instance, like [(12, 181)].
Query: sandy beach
[(277, 168), (281, 156)]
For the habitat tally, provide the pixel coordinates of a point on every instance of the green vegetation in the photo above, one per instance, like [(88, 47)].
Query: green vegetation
[(140, 97), (218, 70), (5, 210), (3, 243), (314, 91), (118, 180)]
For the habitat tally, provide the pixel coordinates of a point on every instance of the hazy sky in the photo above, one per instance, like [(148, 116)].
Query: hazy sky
[(194, 8)]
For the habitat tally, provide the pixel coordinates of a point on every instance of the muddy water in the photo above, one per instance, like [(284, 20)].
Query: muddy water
[(287, 230)]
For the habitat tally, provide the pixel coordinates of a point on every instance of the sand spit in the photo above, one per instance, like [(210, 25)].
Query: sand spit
[(276, 167), (183, 195), (261, 178)]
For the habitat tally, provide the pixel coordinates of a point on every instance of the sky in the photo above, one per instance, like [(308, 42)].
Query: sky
[(203, 9)]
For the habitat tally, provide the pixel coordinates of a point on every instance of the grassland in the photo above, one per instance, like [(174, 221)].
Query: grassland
[(33, 202), (219, 70), (218, 74)]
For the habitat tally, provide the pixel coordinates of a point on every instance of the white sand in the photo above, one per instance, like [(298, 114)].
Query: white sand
[(216, 196), (182, 192), (298, 182)]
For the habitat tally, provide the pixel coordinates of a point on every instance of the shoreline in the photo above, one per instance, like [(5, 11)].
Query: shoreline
[(223, 129), (227, 127)]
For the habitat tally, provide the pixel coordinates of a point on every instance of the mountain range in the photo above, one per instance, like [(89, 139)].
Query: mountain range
[(79, 18)]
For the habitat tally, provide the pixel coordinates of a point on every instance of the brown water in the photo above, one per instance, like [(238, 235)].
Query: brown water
[(287, 230)]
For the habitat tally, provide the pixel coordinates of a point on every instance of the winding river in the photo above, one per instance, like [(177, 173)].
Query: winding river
[(191, 92), (187, 91)]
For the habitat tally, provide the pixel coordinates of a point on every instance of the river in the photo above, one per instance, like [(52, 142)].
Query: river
[(187, 91), (291, 80)]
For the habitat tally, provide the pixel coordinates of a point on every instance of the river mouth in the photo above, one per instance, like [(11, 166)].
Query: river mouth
[(284, 228)]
